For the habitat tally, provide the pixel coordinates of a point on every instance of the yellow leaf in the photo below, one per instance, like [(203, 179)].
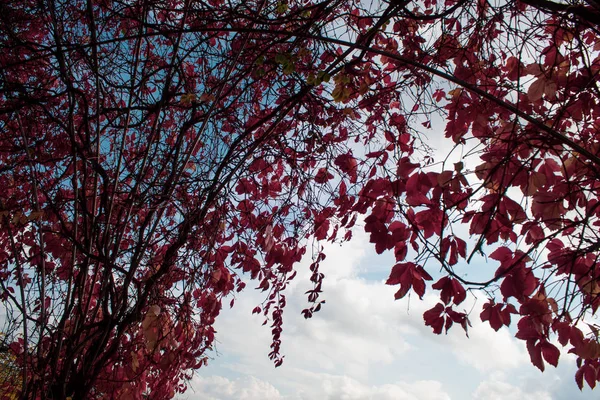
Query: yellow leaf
[(187, 99), (591, 287), (348, 111), (340, 93), (455, 92), (154, 310), (135, 363)]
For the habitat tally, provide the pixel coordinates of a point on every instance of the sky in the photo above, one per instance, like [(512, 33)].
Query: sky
[(364, 345)]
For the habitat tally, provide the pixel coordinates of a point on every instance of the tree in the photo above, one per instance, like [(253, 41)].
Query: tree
[(153, 151), (10, 378)]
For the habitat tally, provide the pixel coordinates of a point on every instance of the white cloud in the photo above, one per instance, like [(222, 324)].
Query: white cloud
[(344, 388), (496, 388), (360, 325), (220, 388), (485, 349), (362, 345), (324, 386)]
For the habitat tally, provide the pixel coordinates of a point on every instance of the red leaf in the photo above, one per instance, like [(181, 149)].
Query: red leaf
[(509, 309), (405, 168), (439, 95), (501, 254), (564, 331), (343, 189), (323, 176), (579, 377), (390, 137), (400, 251), (549, 209), (443, 284), (536, 90), (418, 286), (245, 206), (535, 354), (459, 292), (416, 190), (347, 164), (396, 274), (444, 178), (461, 245), (591, 376), (496, 318), (408, 275), (576, 336), (550, 353), (459, 318), (514, 68), (420, 273), (321, 229), (419, 278), (528, 329), (433, 318), (448, 324), (450, 288), (401, 292), (401, 274)]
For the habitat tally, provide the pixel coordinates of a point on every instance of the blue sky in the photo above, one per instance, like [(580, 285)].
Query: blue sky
[(365, 345)]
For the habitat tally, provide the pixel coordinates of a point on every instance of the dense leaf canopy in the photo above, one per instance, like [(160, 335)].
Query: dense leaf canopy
[(153, 152)]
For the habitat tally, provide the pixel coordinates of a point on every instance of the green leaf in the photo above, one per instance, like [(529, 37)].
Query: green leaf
[(282, 59), (323, 77), (289, 68), (281, 8)]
